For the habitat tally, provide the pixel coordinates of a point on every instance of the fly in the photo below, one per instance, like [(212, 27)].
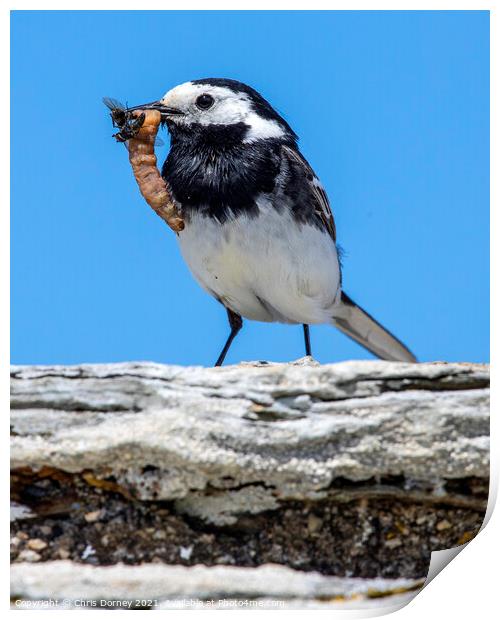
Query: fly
[(126, 121)]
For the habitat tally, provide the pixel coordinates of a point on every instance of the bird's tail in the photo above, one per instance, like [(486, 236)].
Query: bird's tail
[(364, 329)]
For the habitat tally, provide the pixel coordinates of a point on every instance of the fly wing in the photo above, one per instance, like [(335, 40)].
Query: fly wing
[(120, 115), (113, 104)]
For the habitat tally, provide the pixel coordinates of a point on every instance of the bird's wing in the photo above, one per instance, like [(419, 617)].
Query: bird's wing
[(316, 192)]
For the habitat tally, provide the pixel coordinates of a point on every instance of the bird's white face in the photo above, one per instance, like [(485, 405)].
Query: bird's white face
[(205, 104)]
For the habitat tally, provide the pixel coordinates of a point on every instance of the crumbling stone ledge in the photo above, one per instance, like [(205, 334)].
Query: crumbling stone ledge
[(165, 587), (358, 469)]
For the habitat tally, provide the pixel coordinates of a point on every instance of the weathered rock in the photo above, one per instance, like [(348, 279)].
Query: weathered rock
[(167, 586), (358, 468), (294, 428)]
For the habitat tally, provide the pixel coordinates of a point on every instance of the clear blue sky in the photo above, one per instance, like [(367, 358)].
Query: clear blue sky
[(392, 110)]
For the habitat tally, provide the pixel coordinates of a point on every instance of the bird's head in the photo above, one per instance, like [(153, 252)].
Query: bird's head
[(213, 103)]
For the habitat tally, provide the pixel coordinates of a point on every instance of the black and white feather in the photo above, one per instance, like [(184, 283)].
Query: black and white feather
[(259, 235)]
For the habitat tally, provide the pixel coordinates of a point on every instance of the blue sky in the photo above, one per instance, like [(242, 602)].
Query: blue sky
[(392, 110)]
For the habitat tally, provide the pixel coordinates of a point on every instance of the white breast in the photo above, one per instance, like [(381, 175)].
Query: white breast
[(266, 268)]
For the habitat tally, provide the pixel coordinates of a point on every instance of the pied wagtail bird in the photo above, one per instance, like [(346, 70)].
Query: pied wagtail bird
[(259, 232)]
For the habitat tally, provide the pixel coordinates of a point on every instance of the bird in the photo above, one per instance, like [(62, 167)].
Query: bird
[(259, 232)]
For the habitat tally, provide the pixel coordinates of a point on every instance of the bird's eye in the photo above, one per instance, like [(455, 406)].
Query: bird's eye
[(204, 101)]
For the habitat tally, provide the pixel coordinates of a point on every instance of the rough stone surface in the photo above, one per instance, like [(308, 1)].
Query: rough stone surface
[(294, 427), (164, 585), (358, 469), (366, 536)]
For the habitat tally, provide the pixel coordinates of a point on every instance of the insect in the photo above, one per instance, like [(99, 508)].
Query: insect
[(138, 131), (126, 121)]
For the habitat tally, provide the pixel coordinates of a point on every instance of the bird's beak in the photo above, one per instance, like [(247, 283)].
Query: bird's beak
[(158, 105)]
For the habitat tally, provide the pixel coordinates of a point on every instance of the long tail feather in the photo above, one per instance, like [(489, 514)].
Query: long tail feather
[(364, 329)]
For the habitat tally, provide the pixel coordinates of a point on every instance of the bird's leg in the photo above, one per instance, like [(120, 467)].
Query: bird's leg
[(307, 339), (236, 323)]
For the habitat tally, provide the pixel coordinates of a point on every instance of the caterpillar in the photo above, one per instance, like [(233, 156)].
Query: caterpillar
[(143, 161), (139, 129)]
